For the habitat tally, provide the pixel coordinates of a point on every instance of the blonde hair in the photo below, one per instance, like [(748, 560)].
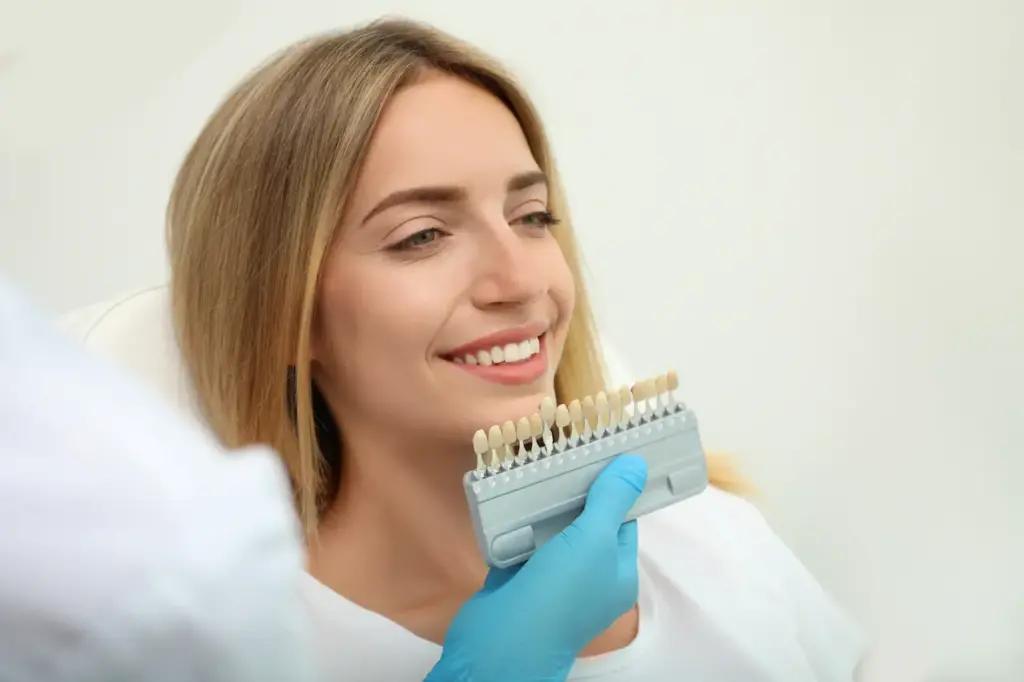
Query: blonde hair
[(256, 205)]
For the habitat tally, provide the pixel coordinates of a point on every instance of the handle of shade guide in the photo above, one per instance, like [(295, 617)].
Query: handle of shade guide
[(513, 547), (517, 545)]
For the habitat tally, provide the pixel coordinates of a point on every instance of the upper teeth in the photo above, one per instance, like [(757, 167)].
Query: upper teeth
[(512, 352)]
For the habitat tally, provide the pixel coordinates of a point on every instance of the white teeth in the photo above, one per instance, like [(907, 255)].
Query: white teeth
[(512, 352)]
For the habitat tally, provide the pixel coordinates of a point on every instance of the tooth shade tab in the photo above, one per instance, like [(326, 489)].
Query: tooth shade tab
[(494, 438), (481, 447), (536, 425), (523, 429), (497, 355), (547, 411)]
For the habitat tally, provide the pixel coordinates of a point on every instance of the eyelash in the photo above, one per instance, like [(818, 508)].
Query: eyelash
[(547, 221)]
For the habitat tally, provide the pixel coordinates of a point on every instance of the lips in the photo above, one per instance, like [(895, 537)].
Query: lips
[(511, 357), (514, 344)]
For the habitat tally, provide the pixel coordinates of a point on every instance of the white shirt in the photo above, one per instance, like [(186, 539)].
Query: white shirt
[(131, 547), (721, 600)]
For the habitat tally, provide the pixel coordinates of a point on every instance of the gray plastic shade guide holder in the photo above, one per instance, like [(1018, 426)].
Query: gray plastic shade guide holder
[(515, 511)]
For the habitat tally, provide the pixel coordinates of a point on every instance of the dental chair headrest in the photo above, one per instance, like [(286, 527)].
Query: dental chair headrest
[(135, 331)]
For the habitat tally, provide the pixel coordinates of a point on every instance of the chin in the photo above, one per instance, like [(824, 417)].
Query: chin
[(487, 412)]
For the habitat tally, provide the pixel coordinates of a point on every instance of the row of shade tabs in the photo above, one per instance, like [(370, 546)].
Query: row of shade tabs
[(557, 428)]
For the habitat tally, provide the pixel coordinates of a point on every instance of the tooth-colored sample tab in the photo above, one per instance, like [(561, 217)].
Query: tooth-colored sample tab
[(590, 411), (562, 418), (480, 445), (547, 410), (523, 429), (494, 438), (672, 380), (601, 405), (614, 404), (536, 425), (576, 412), (639, 391), (508, 433)]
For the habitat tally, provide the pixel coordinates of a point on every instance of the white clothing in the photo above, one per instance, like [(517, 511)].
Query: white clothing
[(131, 547), (721, 600)]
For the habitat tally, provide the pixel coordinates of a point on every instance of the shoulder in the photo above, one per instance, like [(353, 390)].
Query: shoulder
[(729, 534)]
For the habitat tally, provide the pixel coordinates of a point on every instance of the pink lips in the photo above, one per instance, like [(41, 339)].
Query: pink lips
[(506, 336), (507, 373)]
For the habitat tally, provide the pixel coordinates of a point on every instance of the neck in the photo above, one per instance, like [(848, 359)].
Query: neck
[(402, 511)]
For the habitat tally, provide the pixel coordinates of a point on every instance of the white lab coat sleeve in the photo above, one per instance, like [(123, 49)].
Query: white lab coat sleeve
[(131, 546)]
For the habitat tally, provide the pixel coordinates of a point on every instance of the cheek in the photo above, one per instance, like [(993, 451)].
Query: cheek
[(374, 321), (562, 290), (562, 284)]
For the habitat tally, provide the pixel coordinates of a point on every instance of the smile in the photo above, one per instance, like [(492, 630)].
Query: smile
[(510, 353), (513, 363)]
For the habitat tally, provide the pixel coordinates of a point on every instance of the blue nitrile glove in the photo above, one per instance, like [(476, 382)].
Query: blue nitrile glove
[(529, 622)]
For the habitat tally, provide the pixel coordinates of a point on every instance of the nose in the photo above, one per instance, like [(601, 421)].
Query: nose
[(507, 269)]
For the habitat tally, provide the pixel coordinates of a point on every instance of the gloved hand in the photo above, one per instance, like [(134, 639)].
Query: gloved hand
[(529, 622)]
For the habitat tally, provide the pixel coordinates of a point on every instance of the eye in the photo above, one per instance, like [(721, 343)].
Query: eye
[(542, 219), (419, 240)]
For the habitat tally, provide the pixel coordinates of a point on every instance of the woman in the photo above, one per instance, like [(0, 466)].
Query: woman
[(362, 214)]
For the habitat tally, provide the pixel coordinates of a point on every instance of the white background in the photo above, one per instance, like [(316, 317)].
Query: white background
[(813, 210)]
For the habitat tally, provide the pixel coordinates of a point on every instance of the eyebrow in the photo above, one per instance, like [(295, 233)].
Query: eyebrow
[(447, 195)]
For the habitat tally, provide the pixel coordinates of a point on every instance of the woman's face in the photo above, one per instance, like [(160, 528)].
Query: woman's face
[(444, 302)]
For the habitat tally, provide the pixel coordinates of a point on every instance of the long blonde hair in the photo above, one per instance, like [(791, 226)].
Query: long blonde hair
[(256, 205)]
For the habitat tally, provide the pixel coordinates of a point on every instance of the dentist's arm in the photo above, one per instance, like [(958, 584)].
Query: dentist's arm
[(131, 547)]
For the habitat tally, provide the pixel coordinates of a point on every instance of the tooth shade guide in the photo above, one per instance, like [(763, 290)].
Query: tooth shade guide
[(516, 511), (578, 424)]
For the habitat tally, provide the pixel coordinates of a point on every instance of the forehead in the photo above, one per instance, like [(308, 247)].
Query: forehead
[(443, 130)]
